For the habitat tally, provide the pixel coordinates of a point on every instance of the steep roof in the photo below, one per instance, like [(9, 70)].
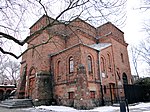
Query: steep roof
[(109, 23), (41, 19), (76, 19)]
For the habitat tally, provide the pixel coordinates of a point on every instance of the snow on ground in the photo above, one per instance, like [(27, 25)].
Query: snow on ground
[(57, 108), (140, 107)]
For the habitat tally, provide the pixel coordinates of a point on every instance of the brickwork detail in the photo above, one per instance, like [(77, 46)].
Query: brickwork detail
[(76, 87)]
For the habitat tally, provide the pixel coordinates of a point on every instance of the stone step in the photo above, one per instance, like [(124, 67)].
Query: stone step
[(17, 103)]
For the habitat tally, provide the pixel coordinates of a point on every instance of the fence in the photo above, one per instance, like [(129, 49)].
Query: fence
[(137, 93), (112, 94), (131, 93)]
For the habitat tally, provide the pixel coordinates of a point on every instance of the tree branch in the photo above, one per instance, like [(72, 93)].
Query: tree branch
[(17, 57)]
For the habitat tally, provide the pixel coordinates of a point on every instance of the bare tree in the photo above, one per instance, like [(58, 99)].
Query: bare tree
[(145, 5), (135, 54), (9, 71), (17, 16), (142, 51), (3, 59)]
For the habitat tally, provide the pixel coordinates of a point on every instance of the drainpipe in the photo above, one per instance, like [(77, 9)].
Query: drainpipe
[(100, 76)]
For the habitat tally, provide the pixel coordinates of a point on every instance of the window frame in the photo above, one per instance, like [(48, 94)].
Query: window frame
[(92, 94), (58, 67), (90, 69), (71, 95), (103, 64), (71, 65)]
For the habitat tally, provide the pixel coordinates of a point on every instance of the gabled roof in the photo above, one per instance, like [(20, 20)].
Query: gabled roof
[(41, 19), (76, 19), (109, 23), (79, 19)]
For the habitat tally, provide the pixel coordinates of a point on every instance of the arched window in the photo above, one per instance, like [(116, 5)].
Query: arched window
[(71, 65), (90, 64), (109, 59), (102, 64), (122, 58), (32, 71), (124, 78)]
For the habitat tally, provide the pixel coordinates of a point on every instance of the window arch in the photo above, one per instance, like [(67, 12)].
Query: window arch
[(102, 64), (32, 71), (71, 65), (90, 64)]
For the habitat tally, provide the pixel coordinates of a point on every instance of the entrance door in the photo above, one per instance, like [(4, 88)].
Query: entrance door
[(112, 92), (31, 86)]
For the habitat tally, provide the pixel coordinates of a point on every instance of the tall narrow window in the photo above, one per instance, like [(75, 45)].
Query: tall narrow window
[(102, 64), (58, 68), (89, 64), (109, 59), (122, 57), (71, 65)]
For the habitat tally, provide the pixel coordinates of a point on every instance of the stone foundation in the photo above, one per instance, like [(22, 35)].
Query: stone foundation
[(38, 102), (43, 93)]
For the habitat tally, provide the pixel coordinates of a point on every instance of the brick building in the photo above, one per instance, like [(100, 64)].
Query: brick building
[(80, 65), (6, 90)]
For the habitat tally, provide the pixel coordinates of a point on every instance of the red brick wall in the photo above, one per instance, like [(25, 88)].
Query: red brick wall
[(65, 43)]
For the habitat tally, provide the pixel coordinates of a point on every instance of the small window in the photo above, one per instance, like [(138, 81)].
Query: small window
[(92, 94), (89, 64), (58, 68), (71, 65), (102, 64), (71, 95), (109, 60), (122, 58)]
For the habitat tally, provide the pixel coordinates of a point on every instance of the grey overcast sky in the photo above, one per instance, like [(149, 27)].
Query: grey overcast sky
[(134, 23), (133, 28), (133, 31)]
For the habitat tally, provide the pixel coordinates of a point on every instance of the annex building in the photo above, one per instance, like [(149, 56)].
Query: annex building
[(74, 64)]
